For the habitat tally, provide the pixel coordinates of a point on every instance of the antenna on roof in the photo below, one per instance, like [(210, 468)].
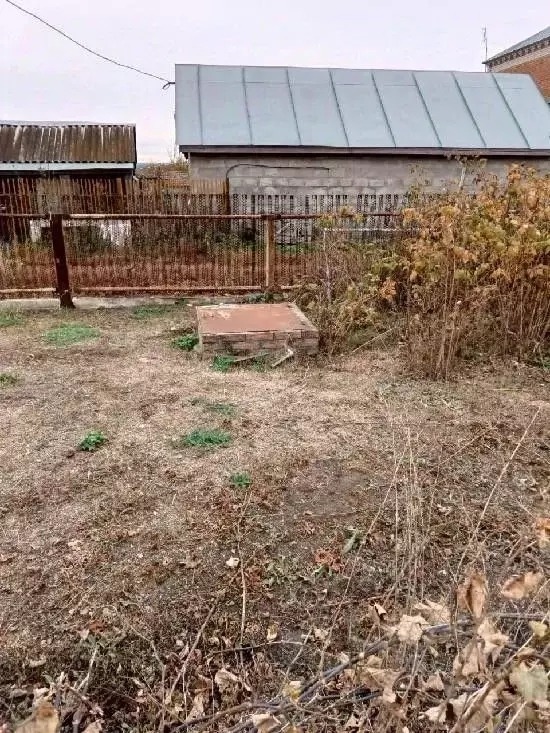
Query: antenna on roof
[(485, 43)]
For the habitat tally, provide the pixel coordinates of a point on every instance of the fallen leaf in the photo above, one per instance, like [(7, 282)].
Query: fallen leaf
[(531, 683), (265, 723), (376, 678), (197, 709), (94, 727), (542, 531), (380, 610), (472, 594), (494, 640), (473, 716), (538, 628), (44, 719), (40, 662), (233, 562), (437, 714), (321, 634), (225, 680), (410, 628), (434, 682), (521, 586), (436, 613), (292, 689), (469, 661), (272, 632)]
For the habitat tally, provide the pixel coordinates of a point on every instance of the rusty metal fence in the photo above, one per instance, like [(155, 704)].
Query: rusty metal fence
[(106, 254)]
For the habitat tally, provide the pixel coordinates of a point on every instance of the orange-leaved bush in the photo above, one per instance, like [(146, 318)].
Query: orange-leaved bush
[(477, 271)]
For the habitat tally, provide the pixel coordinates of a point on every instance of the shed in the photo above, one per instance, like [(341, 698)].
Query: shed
[(63, 166), (350, 136)]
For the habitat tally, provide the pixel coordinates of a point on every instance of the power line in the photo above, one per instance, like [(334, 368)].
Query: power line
[(89, 50)]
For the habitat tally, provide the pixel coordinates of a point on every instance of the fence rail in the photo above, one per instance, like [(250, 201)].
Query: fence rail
[(148, 253)]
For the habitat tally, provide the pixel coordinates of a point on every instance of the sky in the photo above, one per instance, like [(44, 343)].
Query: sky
[(45, 77)]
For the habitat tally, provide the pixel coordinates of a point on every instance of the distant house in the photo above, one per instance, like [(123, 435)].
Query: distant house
[(531, 56), (311, 137), (63, 166)]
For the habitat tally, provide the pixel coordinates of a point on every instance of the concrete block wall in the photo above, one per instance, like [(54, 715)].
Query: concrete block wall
[(344, 175)]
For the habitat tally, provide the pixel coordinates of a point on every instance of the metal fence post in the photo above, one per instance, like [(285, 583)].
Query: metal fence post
[(60, 259), (269, 236)]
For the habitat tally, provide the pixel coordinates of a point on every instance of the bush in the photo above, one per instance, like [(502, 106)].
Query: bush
[(353, 289), (469, 273), (477, 272)]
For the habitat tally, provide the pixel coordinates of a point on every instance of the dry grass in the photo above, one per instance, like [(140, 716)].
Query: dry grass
[(112, 562)]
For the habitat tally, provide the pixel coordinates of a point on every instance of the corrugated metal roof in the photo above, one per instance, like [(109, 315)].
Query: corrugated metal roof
[(360, 109), (536, 38), (34, 143)]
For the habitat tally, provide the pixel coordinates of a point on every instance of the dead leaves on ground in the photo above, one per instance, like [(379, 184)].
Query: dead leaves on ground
[(472, 594), (45, 719), (522, 586)]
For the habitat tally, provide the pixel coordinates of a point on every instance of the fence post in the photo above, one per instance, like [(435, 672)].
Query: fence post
[(60, 259), (269, 237)]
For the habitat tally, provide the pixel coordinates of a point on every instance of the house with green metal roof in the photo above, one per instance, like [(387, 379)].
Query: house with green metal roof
[(278, 133)]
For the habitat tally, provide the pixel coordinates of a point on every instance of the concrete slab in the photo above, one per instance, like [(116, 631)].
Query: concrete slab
[(248, 328)]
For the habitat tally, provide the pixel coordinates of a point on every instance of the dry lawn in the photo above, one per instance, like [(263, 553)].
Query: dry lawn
[(111, 562)]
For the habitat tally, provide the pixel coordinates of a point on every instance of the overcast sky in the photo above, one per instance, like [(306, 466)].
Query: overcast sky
[(45, 77)]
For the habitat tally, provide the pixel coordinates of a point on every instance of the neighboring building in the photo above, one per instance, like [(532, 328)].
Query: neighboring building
[(531, 56), (350, 136), (63, 166)]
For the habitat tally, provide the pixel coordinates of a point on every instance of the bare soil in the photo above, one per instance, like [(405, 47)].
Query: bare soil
[(125, 552)]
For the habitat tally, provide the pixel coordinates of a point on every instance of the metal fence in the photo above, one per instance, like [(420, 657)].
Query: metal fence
[(98, 254)]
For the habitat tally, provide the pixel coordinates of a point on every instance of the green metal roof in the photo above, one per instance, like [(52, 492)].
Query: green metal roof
[(365, 110)]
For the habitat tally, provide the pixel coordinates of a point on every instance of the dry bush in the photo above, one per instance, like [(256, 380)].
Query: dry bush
[(478, 272), (352, 290)]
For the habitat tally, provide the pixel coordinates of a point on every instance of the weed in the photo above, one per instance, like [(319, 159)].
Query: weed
[(259, 363), (187, 342), (9, 318), (8, 380), (240, 480), (144, 312), (92, 441), (223, 362), (226, 409), (70, 333), (203, 438)]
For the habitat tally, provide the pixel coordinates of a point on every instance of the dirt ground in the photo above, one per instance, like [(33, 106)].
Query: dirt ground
[(368, 487)]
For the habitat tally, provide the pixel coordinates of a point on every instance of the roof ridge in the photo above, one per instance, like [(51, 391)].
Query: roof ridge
[(542, 35)]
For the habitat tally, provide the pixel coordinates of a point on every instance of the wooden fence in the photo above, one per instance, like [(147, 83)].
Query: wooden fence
[(42, 195), (126, 253)]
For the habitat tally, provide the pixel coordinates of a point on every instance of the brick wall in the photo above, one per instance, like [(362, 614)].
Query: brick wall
[(380, 177), (539, 70), (535, 62)]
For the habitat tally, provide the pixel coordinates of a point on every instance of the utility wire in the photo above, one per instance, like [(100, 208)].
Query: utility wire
[(81, 45)]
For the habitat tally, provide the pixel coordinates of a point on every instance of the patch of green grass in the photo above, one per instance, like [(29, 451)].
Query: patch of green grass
[(259, 363), (144, 312), (10, 318), (187, 342), (92, 441), (204, 438), (223, 362), (8, 380), (240, 480), (68, 334), (226, 409)]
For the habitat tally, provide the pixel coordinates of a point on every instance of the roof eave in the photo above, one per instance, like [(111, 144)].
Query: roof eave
[(316, 150), (16, 167)]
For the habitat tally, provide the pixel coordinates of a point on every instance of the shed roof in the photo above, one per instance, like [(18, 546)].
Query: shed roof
[(67, 145), (542, 35), (236, 107)]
